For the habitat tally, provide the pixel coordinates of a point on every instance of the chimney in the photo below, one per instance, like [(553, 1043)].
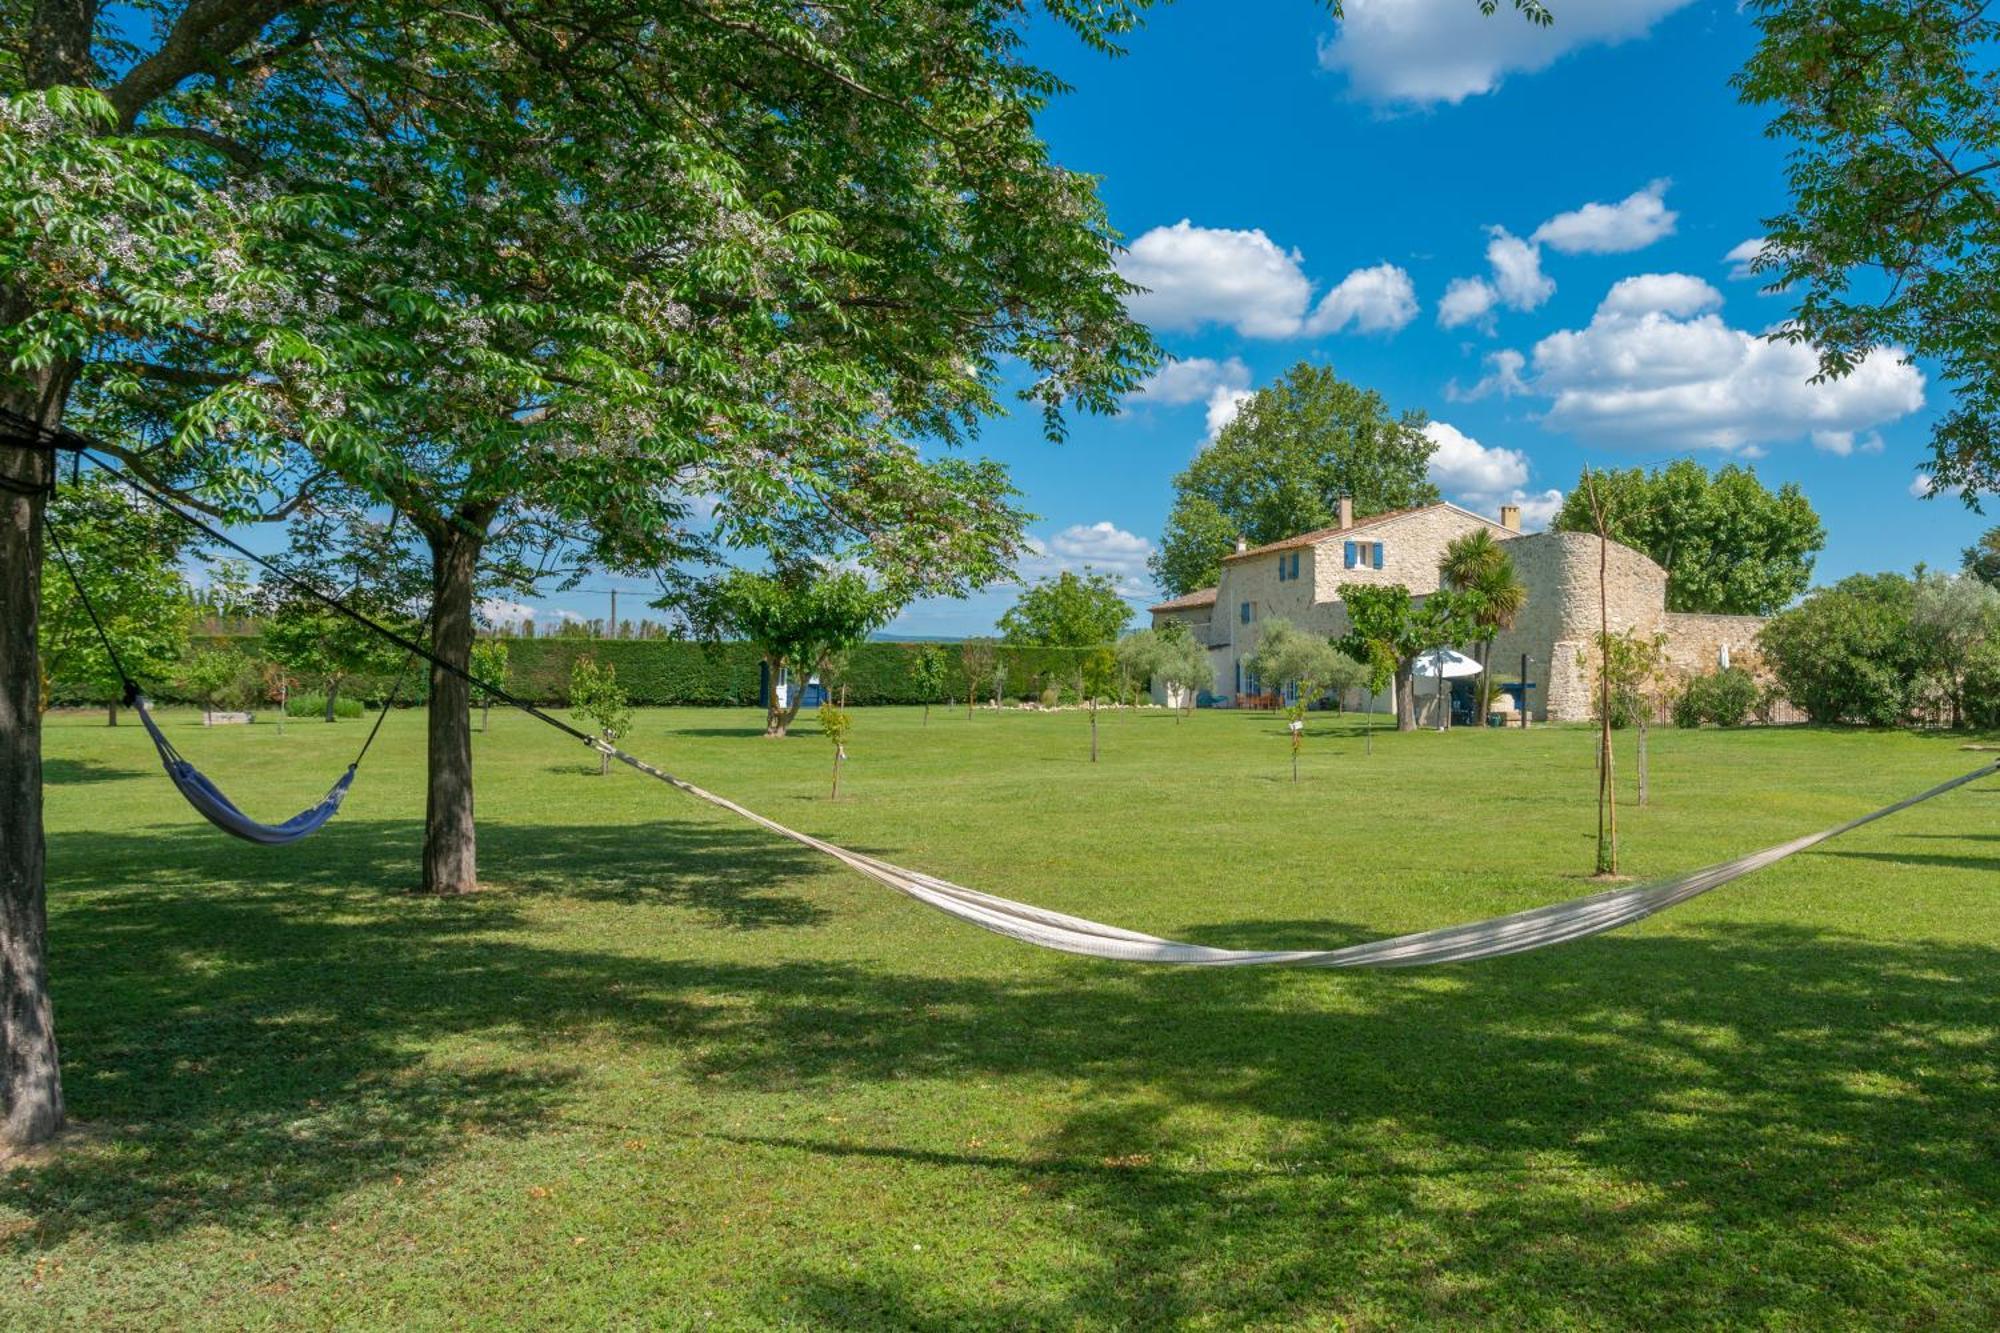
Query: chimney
[(1346, 512), (1242, 543), (1510, 517)]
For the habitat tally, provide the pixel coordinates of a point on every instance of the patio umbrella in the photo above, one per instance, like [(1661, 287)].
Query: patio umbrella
[(1443, 664)]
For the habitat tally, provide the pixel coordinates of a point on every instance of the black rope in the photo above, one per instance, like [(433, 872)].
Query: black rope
[(340, 607), (117, 664)]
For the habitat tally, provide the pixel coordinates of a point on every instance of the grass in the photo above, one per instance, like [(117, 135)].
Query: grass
[(668, 1071)]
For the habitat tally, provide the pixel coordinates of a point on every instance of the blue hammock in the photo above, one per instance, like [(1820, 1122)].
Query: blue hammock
[(220, 811)]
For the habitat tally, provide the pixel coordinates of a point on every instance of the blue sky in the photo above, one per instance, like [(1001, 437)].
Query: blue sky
[(1300, 152), (1524, 232)]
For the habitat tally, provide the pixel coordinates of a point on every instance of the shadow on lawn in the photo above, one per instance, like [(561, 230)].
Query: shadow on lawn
[(1713, 1127), (68, 772)]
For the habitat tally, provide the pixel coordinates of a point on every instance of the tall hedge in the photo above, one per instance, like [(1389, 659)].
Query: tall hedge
[(659, 672)]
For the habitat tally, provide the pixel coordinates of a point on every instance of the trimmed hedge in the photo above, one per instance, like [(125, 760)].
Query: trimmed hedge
[(660, 672), (656, 672)]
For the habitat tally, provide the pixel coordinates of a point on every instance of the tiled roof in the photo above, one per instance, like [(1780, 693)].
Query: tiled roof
[(1206, 597), (1319, 535)]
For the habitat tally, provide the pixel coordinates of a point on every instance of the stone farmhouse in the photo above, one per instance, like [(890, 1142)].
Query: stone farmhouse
[(1298, 579)]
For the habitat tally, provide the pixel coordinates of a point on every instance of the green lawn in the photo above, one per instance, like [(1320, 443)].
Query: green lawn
[(669, 1071)]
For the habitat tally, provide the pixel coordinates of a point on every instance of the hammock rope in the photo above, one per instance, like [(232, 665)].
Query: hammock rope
[(1515, 932), (197, 788)]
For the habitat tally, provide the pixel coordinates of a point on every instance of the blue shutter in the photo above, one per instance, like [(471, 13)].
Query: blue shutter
[(1350, 555), (1378, 555)]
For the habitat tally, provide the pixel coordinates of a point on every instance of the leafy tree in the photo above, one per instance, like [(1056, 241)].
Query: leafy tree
[(835, 725), (1982, 559), (340, 552), (1982, 687), (1891, 243), (1287, 655), (1951, 618), (1847, 653), (1633, 666), (1067, 611), (1182, 665), (596, 697), (928, 672), (218, 678), (1387, 624), (799, 619), (437, 254), (1480, 565), (1729, 545), (1096, 670), (490, 664), (1282, 465), (126, 554), (979, 658)]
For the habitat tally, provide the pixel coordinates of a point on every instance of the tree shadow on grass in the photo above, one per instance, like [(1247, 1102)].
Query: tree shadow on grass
[(1716, 1126), (57, 772)]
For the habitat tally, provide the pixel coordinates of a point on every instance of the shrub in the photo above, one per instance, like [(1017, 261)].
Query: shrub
[(1982, 687), (1725, 698), (1848, 653), (314, 705)]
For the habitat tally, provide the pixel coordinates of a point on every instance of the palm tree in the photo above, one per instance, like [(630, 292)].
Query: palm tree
[(1478, 564)]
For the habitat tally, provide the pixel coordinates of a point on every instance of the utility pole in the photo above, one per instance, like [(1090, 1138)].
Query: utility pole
[(614, 613)]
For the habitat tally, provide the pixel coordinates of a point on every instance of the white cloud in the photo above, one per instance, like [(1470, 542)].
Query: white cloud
[(1633, 223), (1843, 443), (1102, 548), (1464, 466), (1656, 363), (1742, 256), (1483, 478), (1517, 271), (1922, 487), (1503, 377), (1223, 405), (1467, 301), (1666, 293), (1244, 280), (1210, 275), (1223, 385), (497, 611), (1517, 282), (1420, 52), (1381, 299), (1193, 379)]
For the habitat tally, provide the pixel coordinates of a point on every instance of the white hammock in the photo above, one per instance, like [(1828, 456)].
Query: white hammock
[(1517, 932)]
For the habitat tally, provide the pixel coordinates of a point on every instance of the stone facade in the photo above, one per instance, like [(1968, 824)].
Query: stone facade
[(1555, 630)]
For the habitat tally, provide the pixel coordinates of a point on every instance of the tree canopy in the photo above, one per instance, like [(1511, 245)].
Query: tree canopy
[(1387, 624), (1282, 465), (1892, 234), (1288, 655), (126, 554), (800, 618), (1982, 558), (1067, 611), (1729, 544)]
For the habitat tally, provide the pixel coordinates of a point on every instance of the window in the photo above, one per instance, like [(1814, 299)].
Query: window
[(1243, 613), (1295, 565), (1366, 555), (1288, 567)]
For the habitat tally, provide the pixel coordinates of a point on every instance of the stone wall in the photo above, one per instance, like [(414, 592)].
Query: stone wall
[(1695, 642), (1411, 548), (1560, 622)]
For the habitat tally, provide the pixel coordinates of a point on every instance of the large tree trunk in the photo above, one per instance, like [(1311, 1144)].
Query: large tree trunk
[(31, 1100), (778, 720), (1406, 694), (450, 843)]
